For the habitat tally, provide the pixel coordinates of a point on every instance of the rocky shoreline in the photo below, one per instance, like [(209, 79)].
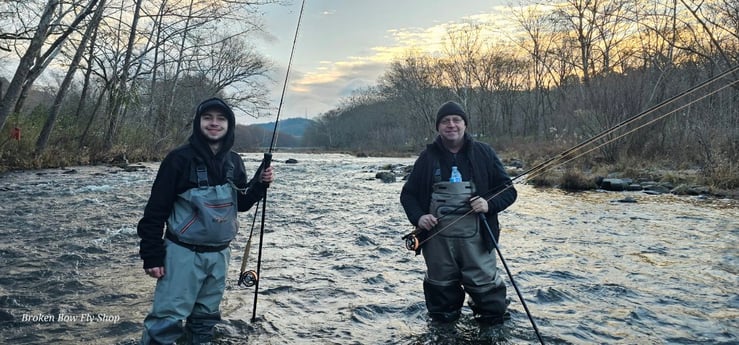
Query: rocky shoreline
[(651, 187), (675, 182), (579, 181)]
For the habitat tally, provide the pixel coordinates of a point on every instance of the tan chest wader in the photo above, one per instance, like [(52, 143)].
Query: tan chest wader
[(457, 260)]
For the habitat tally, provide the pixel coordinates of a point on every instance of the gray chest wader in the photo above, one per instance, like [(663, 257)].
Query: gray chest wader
[(202, 224), (457, 260), (450, 200), (204, 218)]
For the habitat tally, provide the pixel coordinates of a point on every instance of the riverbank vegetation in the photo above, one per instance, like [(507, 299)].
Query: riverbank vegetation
[(661, 75)]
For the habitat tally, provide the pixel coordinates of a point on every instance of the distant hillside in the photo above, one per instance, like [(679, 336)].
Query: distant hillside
[(260, 135), (294, 126)]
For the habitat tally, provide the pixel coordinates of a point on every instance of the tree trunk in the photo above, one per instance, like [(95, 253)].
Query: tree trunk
[(27, 62), (86, 89), (120, 93), (42, 60), (178, 68), (43, 138)]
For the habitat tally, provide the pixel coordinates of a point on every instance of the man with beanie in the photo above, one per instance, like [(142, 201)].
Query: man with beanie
[(456, 245), (197, 193)]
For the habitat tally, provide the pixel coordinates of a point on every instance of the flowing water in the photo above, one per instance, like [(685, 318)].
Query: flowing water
[(663, 270)]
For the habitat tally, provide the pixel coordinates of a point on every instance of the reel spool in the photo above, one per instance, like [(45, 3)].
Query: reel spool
[(248, 278), (411, 240)]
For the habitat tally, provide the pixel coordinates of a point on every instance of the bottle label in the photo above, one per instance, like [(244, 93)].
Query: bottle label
[(455, 176)]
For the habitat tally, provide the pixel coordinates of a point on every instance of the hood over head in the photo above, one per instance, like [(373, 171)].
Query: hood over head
[(198, 139)]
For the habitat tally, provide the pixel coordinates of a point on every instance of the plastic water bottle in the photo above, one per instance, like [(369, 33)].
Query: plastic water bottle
[(456, 176)]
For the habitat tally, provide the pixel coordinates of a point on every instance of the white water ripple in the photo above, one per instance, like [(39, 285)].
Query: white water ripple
[(334, 269)]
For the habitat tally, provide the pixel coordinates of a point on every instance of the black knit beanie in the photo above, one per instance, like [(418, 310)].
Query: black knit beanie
[(450, 108), (216, 103)]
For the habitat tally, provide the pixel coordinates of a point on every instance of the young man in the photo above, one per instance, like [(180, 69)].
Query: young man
[(198, 190), (458, 249)]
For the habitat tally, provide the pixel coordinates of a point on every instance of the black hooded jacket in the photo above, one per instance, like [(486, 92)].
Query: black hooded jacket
[(177, 174), (476, 161)]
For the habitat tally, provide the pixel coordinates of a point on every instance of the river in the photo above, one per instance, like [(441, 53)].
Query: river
[(661, 270)]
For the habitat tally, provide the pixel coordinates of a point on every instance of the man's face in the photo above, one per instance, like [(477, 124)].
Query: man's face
[(213, 124), (451, 127)]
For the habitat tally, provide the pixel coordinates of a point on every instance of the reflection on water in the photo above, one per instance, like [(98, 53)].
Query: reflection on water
[(334, 269)]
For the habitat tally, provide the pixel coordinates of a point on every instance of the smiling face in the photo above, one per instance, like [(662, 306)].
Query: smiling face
[(451, 129), (213, 124)]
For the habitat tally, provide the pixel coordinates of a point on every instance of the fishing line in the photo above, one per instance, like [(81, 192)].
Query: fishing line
[(564, 155), (411, 241), (268, 159), (650, 122)]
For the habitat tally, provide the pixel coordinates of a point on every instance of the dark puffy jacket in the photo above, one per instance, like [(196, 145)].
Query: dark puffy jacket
[(477, 162)]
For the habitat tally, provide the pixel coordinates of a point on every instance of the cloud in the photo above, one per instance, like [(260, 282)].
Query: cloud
[(320, 87)]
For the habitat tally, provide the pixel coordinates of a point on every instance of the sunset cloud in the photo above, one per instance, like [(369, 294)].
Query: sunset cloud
[(342, 50)]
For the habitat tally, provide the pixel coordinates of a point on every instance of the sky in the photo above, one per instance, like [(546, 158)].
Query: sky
[(343, 45)]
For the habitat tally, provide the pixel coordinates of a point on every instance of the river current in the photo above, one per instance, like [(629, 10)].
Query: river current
[(334, 270)]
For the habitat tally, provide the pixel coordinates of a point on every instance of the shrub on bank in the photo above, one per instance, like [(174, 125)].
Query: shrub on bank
[(573, 180)]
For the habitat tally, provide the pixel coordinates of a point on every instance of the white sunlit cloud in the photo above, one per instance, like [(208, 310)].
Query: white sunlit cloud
[(429, 40), (337, 79)]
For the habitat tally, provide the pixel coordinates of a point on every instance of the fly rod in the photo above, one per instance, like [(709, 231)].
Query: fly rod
[(268, 159)]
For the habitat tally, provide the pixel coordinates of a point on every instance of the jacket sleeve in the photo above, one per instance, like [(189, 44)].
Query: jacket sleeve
[(501, 184), (254, 190), (151, 227), (412, 194)]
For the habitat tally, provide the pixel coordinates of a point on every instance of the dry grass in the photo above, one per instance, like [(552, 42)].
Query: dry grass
[(574, 180)]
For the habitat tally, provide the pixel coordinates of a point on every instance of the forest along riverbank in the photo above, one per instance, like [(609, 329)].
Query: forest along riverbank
[(662, 269)]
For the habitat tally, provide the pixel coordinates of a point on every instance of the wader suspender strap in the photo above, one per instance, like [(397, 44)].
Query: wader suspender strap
[(437, 170), (202, 174), (230, 170)]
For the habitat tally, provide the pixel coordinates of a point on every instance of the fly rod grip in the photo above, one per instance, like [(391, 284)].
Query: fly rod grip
[(266, 161)]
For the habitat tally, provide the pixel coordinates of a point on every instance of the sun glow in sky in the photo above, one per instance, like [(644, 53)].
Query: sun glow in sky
[(344, 45)]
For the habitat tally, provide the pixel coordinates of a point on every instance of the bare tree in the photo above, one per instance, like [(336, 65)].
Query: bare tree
[(230, 62), (415, 83), (62, 33), (43, 138), (463, 47), (119, 94), (718, 22), (598, 28), (34, 61), (537, 41), (613, 29), (9, 35)]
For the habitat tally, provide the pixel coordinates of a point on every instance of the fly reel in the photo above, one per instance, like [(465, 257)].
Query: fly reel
[(411, 240), (248, 278)]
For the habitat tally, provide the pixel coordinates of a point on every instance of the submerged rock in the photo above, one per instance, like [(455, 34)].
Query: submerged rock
[(385, 176), (614, 184), (628, 200), (684, 189), (134, 167), (655, 188)]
